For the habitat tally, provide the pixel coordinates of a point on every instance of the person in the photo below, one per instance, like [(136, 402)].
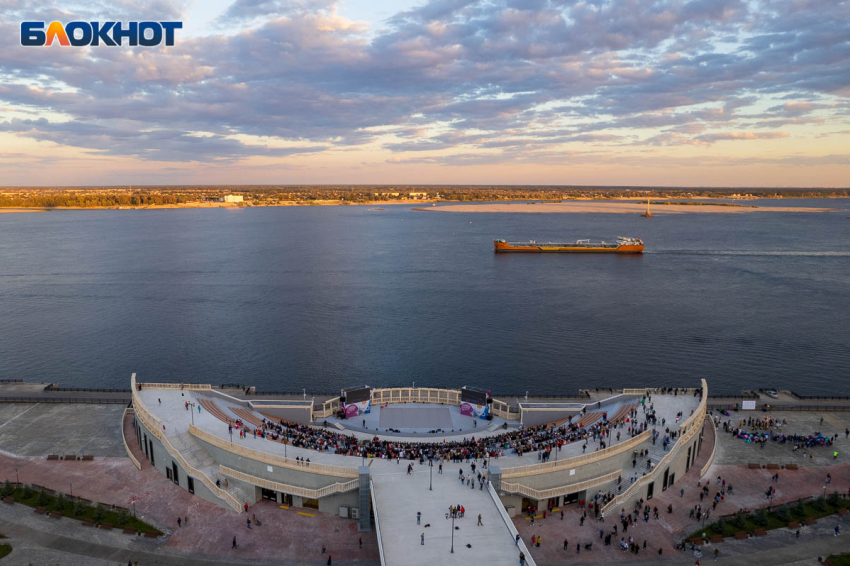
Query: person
[(682, 493), (716, 553), (245, 505), (324, 549), (578, 548), (418, 517), (566, 544), (562, 514), (248, 520), (330, 560), (179, 522), (235, 546), (521, 559), (186, 521), (360, 540), (517, 540), (660, 550), (422, 539), (837, 530), (480, 524)]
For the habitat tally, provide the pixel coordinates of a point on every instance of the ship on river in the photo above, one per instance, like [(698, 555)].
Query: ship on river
[(623, 245)]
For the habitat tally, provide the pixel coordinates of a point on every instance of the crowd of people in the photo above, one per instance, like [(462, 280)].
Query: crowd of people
[(543, 438)]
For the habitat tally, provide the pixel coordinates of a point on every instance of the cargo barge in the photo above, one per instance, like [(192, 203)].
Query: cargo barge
[(621, 246)]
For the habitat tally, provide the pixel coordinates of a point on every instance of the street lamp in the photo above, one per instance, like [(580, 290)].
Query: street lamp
[(453, 534), (17, 475), (72, 489), (230, 430), (192, 410), (430, 475)]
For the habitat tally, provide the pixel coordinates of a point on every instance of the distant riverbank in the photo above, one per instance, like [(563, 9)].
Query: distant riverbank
[(616, 208), (194, 205)]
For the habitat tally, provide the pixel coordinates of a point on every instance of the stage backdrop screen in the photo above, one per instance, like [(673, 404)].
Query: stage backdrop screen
[(472, 396), (357, 395)]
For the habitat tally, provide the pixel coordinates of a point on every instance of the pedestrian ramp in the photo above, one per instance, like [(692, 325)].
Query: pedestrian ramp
[(398, 496)]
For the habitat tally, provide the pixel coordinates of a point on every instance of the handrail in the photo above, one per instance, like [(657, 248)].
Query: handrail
[(635, 391), (185, 386), (534, 469), (339, 487), (713, 450), (510, 524), (124, 438), (690, 431), (273, 459), (153, 425), (556, 491), (415, 395), (377, 522)]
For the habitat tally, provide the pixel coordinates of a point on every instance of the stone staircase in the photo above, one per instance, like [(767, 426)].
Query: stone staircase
[(197, 457)]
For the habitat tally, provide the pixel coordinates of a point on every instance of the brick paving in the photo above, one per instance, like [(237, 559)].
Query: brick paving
[(284, 535)]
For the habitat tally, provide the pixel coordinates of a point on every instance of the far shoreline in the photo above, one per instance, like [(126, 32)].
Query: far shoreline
[(585, 207)]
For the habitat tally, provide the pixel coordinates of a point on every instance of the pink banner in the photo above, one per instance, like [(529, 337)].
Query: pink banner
[(466, 409), (351, 411)]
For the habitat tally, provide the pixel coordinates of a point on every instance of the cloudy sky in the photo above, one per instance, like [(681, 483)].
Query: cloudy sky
[(625, 92)]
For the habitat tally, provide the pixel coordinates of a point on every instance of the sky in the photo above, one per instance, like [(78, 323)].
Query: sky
[(730, 93)]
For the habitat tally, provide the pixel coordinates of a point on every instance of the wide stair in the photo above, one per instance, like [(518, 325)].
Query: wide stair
[(197, 457)]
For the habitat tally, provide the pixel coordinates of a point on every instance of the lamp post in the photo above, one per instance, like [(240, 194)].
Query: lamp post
[(72, 489), (453, 534), (17, 476), (192, 410), (230, 430), (430, 475)]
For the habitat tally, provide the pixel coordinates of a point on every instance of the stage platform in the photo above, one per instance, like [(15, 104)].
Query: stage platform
[(419, 419)]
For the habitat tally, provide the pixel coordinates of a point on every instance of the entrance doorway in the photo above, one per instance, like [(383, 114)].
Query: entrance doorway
[(571, 498), (269, 494), (310, 503), (650, 490)]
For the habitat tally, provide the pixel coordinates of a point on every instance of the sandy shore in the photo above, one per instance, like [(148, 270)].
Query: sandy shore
[(614, 207), (11, 210)]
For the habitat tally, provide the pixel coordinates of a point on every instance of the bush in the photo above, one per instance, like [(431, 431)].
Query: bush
[(79, 508), (7, 489), (99, 513), (799, 509), (738, 521), (123, 517), (835, 499), (43, 498), (783, 514), (761, 518), (819, 504), (28, 492)]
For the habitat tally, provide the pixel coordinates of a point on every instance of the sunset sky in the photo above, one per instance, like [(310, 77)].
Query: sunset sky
[(601, 92)]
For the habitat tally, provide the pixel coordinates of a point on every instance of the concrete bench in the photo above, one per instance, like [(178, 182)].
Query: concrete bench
[(843, 511), (129, 531), (9, 500), (754, 466), (87, 458), (106, 526), (811, 520), (149, 534), (70, 457), (773, 467), (716, 539), (695, 540), (741, 535), (53, 457), (55, 514), (40, 510), (88, 523), (793, 525), (791, 467), (760, 532)]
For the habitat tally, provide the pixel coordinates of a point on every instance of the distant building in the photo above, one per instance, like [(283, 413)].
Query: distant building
[(418, 195), (231, 198)]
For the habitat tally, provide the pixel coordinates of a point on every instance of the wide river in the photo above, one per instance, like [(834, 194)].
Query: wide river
[(327, 297)]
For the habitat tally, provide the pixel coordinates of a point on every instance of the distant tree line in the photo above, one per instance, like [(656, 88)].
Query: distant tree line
[(103, 197)]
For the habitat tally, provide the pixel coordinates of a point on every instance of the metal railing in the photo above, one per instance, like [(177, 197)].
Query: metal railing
[(84, 400), (339, 487), (184, 386), (520, 544), (273, 459), (377, 522), (544, 494), (124, 438), (416, 395), (534, 469), (154, 426)]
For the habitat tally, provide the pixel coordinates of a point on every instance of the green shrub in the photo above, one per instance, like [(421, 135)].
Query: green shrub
[(819, 504), (43, 498), (761, 518), (835, 499), (99, 513), (28, 492), (739, 521), (79, 508), (799, 509), (123, 517), (783, 514), (60, 502), (7, 489)]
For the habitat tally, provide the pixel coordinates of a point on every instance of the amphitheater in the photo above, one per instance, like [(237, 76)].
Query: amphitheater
[(403, 452)]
